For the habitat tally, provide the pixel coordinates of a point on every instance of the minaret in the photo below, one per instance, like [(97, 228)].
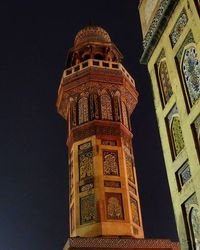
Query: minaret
[(97, 96)]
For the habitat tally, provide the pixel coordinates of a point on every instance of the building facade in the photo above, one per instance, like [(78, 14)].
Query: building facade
[(171, 41)]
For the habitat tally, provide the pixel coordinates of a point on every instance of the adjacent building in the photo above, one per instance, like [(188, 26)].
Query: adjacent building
[(171, 41)]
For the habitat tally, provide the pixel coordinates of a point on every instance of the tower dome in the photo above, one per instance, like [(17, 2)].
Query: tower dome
[(91, 34)]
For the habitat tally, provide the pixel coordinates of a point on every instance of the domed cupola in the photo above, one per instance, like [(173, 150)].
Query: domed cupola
[(92, 34), (93, 42)]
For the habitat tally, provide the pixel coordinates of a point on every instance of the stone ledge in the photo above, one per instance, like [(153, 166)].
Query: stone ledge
[(120, 243)]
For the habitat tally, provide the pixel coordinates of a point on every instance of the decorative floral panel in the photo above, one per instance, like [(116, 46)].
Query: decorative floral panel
[(178, 27), (134, 210), (155, 23), (184, 173), (129, 166), (124, 115), (112, 184), (86, 168), (195, 226), (196, 131), (108, 142), (85, 146), (191, 208), (86, 187), (106, 108), (176, 137), (114, 206), (191, 73), (87, 209), (165, 84), (110, 163), (83, 110), (189, 39)]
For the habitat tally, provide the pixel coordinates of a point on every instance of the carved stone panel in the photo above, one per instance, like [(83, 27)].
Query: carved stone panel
[(134, 210), (114, 206), (110, 162), (87, 209), (86, 168), (129, 166)]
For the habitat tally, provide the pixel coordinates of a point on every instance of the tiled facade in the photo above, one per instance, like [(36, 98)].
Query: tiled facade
[(172, 55)]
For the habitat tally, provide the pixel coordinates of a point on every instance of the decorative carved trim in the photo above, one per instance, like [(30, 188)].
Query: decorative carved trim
[(157, 27), (98, 128), (178, 27), (120, 243), (189, 39)]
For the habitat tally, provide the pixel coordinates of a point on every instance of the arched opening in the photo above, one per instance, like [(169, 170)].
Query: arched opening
[(83, 110), (106, 107), (195, 227), (86, 57), (125, 115), (99, 56)]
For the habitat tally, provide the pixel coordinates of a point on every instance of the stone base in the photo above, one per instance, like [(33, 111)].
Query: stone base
[(120, 243)]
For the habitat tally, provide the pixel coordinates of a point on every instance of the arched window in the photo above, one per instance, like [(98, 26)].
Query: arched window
[(117, 109), (86, 57), (177, 136), (83, 110), (195, 227), (106, 108), (165, 84), (94, 106), (124, 115), (73, 114), (99, 56), (191, 73)]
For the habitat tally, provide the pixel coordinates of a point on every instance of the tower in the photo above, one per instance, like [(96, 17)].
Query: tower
[(171, 40), (97, 96)]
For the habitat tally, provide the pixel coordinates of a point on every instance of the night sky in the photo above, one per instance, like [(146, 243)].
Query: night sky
[(35, 38)]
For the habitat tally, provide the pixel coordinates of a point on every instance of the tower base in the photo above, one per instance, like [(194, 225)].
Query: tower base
[(120, 243)]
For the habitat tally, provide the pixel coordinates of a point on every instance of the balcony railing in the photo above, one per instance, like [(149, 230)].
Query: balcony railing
[(100, 64)]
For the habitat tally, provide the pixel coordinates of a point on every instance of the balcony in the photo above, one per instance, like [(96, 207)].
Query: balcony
[(100, 64)]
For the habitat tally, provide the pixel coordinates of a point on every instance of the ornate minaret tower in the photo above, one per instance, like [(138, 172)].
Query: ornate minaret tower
[(97, 96)]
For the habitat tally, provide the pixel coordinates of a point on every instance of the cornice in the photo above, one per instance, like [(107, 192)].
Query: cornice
[(157, 28)]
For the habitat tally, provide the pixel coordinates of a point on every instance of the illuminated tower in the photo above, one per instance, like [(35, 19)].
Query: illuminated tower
[(97, 96)]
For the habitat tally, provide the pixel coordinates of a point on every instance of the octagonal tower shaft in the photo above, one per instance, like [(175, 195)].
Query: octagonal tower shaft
[(97, 96)]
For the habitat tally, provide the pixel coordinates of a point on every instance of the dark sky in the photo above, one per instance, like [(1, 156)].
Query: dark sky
[(35, 38)]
